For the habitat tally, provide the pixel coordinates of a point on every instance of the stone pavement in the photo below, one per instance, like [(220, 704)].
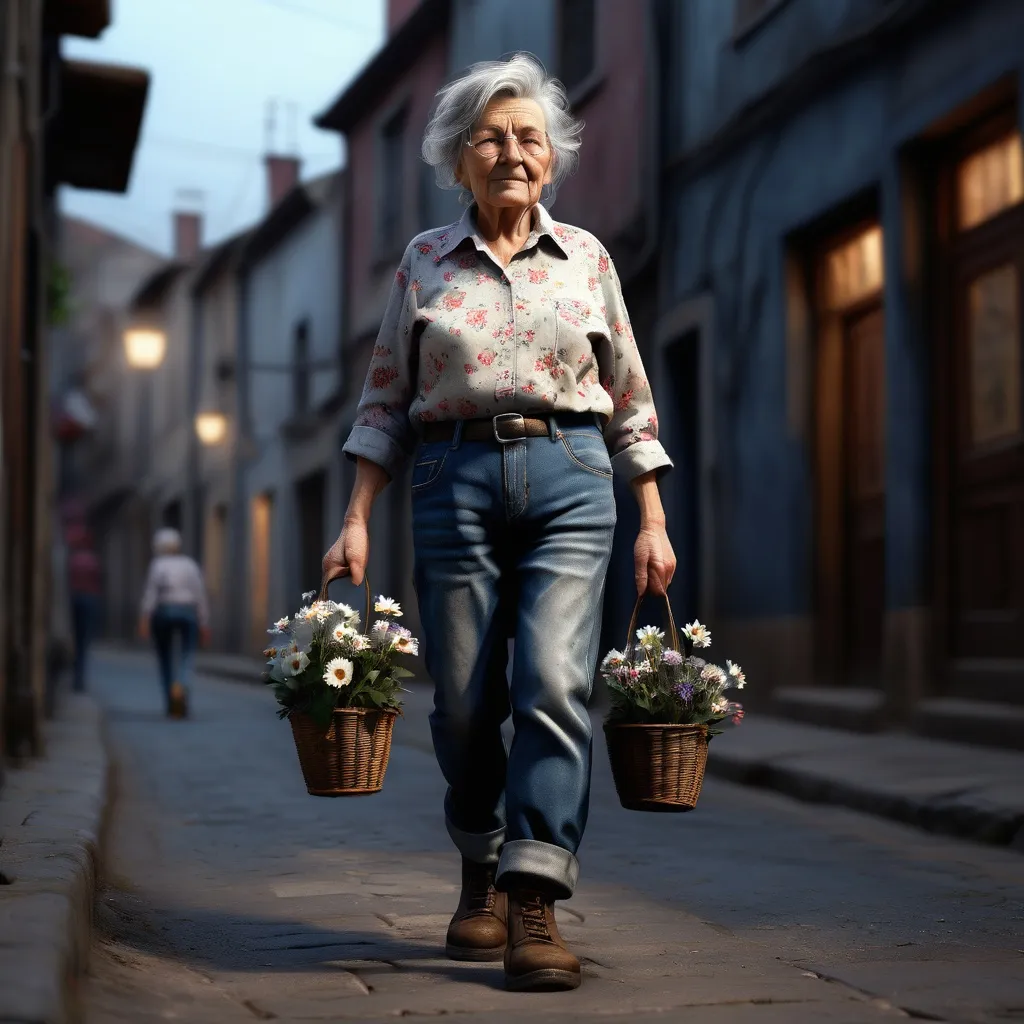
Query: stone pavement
[(956, 789), (232, 895), (51, 815)]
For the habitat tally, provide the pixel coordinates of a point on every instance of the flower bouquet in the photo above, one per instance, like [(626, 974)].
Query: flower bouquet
[(339, 688), (665, 704)]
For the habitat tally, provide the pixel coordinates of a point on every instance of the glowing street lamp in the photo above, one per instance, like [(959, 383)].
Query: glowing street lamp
[(145, 347), (211, 427)]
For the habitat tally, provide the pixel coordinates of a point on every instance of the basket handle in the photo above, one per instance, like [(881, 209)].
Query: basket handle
[(337, 574), (673, 632)]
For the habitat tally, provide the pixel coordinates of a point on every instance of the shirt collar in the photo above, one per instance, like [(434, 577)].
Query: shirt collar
[(543, 227)]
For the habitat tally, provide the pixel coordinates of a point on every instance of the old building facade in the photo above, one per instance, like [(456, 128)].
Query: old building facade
[(842, 254)]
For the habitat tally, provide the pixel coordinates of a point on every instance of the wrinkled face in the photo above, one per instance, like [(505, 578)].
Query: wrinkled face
[(503, 171)]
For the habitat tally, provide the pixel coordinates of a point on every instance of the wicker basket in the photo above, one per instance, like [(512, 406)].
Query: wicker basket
[(657, 767), (350, 758)]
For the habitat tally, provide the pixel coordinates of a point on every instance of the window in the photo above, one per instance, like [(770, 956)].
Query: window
[(854, 270), (300, 369), (577, 43), (994, 355), (990, 181), (391, 180)]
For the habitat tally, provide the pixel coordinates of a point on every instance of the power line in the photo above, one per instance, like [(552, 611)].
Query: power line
[(288, 5), (217, 150)]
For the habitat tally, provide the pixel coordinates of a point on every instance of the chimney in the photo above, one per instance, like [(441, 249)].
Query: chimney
[(398, 13), (282, 177), (188, 231)]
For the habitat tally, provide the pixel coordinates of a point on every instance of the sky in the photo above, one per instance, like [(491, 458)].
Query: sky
[(215, 66)]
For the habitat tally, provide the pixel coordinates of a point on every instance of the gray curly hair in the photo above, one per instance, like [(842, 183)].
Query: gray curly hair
[(461, 102)]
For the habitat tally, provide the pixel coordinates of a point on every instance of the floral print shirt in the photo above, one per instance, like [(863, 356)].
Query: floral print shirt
[(465, 338)]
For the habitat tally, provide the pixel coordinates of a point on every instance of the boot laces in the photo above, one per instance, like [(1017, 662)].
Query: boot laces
[(535, 918), (481, 895)]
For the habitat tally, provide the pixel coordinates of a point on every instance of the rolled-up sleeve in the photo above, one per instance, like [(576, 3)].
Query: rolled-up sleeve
[(632, 432), (382, 431)]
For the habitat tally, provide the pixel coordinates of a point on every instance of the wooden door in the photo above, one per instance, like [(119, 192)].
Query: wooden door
[(261, 514), (987, 473), (979, 387), (864, 494)]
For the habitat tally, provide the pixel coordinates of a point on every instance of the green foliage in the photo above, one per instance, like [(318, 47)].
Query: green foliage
[(58, 295)]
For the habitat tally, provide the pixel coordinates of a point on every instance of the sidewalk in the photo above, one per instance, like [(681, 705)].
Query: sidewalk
[(972, 792), (51, 818)]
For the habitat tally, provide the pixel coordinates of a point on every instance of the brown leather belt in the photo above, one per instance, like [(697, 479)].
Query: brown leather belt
[(506, 426)]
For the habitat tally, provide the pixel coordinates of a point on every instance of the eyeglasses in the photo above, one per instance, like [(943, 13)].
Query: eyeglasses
[(491, 147)]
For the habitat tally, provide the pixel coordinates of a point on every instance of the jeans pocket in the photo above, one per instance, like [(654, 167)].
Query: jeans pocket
[(426, 472), (588, 451)]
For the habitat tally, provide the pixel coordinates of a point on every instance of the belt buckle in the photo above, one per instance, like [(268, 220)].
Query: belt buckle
[(506, 416)]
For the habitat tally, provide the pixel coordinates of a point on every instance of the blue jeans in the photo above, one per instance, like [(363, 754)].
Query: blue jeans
[(170, 621), (513, 538), (85, 612)]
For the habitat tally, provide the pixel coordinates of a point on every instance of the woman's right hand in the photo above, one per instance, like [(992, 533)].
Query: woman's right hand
[(349, 554)]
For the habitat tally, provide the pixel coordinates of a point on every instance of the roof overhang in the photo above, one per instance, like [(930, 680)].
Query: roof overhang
[(100, 117), (391, 62), (86, 18)]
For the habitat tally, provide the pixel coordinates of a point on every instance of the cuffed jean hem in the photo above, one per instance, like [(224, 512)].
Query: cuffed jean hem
[(558, 867), (479, 847)]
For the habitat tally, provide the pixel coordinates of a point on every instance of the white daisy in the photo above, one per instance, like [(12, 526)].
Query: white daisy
[(309, 595), (282, 623), (736, 674), (407, 645), (719, 707), (339, 672), (302, 613), (345, 611), (342, 632), (359, 642), (613, 659), (323, 610), (712, 674), (698, 634), (387, 606), (649, 634), (295, 663)]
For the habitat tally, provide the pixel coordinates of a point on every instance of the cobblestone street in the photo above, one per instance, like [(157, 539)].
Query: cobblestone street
[(230, 895)]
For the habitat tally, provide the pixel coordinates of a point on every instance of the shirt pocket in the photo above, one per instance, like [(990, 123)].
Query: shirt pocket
[(578, 329)]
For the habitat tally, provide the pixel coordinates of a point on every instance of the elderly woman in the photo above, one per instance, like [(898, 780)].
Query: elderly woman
[(506, 369), (175, 610)]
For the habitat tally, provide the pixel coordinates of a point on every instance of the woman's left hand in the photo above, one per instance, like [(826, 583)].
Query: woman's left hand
[(654, 560)]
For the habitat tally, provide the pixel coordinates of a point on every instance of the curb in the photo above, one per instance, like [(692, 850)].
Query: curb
[(954, 815), (52, 816)]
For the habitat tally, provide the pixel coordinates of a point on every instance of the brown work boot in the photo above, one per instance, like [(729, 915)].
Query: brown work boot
[(536, 957), (177, 704), (478, 930)]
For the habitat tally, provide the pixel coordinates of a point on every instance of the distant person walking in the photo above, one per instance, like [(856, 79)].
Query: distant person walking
[(174, 608), (85, 585)]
